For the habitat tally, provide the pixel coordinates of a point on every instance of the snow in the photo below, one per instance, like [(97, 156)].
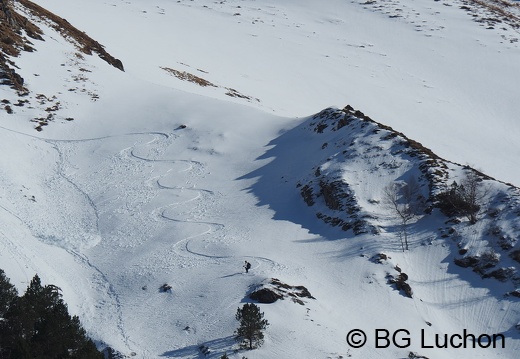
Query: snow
[(121, 200)]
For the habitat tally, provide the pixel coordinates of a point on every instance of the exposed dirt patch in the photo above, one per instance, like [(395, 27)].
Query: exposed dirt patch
[(186, 76), (500, 15), (496, 14)]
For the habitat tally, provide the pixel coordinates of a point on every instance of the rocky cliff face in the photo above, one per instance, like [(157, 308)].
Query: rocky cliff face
[(16, 34), (23, 24)]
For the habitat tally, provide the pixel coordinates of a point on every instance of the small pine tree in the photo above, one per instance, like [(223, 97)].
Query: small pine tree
[(252, 324), (37, 325), (7, 293)]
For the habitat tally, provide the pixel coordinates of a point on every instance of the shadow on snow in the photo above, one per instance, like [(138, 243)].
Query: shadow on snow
[(215, 349), (290, 160)]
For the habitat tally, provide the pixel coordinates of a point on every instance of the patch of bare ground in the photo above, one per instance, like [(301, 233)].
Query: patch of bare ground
[(403, 11), (234, 93), (51, 105), (505, 10), (186, 76), (495, 13)]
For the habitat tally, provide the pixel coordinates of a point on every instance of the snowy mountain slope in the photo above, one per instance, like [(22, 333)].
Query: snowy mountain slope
[(341, 162), (151, 185), (297, 57)]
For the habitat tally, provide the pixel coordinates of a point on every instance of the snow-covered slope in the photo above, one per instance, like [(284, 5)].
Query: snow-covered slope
[(180, 168), (426, 68)]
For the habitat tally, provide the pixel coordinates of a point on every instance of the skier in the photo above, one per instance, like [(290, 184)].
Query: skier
[(247, 266)]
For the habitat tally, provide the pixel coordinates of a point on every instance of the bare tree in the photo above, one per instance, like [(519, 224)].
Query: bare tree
[(406, 201), (472, 193)]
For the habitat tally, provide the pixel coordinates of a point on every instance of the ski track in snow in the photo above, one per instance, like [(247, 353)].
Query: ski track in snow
[(103, 279), (195, 168), (134, 153), (150, 152), (137, 214)]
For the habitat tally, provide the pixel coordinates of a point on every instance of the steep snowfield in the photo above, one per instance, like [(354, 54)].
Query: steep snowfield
[(423, 67), (158, 180)]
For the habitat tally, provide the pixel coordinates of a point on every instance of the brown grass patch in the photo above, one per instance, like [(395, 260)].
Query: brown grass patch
[(502, 9), (234, 93), (186, 76)]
